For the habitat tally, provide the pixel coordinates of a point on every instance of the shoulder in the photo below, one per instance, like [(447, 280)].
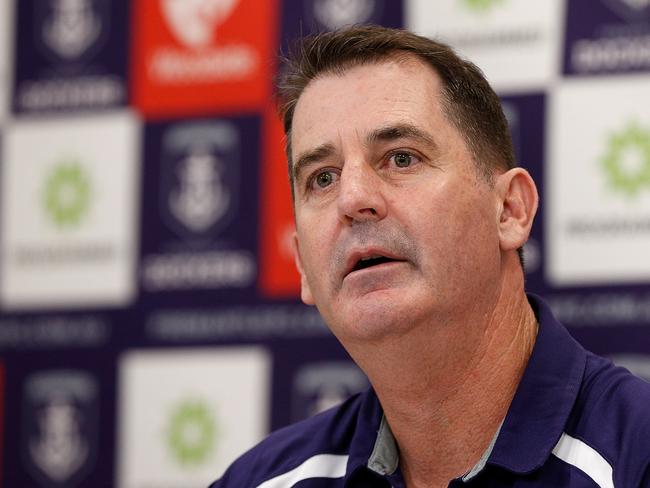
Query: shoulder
[(327, 433), (616, 394), (611, 416)]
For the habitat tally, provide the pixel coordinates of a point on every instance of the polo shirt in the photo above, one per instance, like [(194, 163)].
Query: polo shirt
[(576, 420)]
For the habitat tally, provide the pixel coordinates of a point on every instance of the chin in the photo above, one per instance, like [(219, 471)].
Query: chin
[(374, 322)]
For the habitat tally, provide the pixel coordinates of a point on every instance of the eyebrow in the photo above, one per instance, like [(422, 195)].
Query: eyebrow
[(400, 131)]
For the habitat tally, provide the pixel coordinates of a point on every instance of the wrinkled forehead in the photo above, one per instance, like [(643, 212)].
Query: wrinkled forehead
[(341, 66), (363, 97)]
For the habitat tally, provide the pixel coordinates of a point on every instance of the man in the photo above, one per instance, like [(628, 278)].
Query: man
[(410, 214)]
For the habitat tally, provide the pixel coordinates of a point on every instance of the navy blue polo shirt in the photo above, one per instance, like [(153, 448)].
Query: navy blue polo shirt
[(576, 420)]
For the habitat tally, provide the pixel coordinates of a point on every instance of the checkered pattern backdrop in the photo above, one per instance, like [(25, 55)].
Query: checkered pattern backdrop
[(150, 327)]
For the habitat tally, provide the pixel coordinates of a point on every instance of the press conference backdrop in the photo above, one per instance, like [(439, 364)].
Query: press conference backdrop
[(150, 326)]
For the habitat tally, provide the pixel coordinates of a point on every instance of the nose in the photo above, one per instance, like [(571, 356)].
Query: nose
[(360, 195)]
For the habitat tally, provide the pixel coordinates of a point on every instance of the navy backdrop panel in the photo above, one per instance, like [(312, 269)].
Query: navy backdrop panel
[(138, 346)]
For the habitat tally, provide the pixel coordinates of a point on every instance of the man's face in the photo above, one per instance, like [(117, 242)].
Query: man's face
[(393, 224)]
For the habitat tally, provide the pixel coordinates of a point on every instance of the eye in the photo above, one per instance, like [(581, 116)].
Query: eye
[(322, 179), (402, 159)]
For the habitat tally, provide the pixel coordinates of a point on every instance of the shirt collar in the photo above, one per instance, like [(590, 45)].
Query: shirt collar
[(534, 422), (385, 456), (544, 398), (372, 431)]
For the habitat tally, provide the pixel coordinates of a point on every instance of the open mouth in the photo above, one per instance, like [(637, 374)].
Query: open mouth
[(370, 261)]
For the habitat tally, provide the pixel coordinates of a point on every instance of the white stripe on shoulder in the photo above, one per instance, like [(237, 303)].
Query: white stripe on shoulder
[(586, 459), (319, 466)]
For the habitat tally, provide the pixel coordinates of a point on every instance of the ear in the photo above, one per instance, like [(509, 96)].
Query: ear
[(518, 201), (305, 291)]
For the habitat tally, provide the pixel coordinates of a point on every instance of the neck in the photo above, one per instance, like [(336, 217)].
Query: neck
[(446, 389)]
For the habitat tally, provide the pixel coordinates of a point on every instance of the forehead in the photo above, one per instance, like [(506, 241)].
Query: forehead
[(397, 90)]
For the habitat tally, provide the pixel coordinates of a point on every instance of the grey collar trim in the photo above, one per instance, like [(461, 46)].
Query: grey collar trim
[(385, 457), (478, 467)]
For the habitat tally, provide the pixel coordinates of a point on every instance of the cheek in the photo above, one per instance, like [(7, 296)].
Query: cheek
[(478, 239), (461, 229), (315, 243), (308, 254)]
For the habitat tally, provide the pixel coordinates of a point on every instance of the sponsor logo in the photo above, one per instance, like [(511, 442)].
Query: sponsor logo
[(626, 162), (610, 54), (200, 199), (177, 435), (67, 232), (71, 36), (598, 232), (516, 43), (70, 28), (630, 10), (617, 46), (60, 426), (54, 332), (334, 14), (205, 270), (625, 166), (67, 194), (84, 91), (480, 6), (200, 181), (607, 309), (241, 322), (202, 165), (226, 64), (320, 386), (66, 203), (194, 55), (194, 22), (192, 432), (510, 31)]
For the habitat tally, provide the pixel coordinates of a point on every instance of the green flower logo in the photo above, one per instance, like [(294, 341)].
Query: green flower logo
[(627, 161), (481, 5), (192, 432), (67, 194)]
